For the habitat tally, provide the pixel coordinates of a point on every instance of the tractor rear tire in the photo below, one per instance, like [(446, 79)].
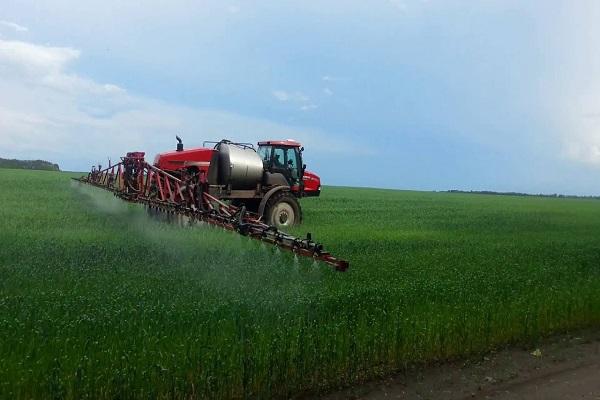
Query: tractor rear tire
[(283, 210)]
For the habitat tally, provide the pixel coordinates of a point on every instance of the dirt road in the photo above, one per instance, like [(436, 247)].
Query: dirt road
[(563, 367)]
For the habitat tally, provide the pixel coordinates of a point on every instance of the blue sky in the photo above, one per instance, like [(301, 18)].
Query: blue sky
[(409, 94)]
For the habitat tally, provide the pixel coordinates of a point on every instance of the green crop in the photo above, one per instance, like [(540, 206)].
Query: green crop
[(99, 301)]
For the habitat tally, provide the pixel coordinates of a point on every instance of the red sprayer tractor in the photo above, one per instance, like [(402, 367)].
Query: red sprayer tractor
[(252, 191)]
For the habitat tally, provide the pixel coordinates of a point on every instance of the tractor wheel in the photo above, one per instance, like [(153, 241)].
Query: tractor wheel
[(283, 210)]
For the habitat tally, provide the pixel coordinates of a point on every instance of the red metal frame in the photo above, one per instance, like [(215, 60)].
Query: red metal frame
[(133, 179)]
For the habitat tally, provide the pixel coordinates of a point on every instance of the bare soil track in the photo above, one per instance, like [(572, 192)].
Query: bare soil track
[(565, 367)]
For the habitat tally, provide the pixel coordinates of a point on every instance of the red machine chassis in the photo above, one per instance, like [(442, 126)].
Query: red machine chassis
[(134, 180)]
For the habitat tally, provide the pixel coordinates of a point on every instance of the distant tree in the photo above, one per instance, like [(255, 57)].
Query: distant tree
[(28, 164)]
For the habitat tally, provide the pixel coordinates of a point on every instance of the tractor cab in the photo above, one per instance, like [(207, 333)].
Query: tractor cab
[(284, 157)]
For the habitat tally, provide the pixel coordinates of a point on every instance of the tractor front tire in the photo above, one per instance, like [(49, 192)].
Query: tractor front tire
[(283, 210)]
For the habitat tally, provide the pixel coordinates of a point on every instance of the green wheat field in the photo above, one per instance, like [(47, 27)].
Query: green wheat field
[(99, 301)]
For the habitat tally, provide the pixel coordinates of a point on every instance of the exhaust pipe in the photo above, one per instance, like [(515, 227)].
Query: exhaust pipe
[(179, 143)]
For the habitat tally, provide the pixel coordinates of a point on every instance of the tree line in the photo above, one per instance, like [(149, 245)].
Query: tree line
[(28, 164)]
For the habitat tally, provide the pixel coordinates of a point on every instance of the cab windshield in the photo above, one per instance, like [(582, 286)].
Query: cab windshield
[(281, 158)]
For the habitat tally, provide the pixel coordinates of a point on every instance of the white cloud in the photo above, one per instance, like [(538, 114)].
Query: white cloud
[(571, 96), (584, 152), (233, 9), (328, 91), (35, 59), (284, 96), (297, 98), (280, 95), (399, 4), (14, 26), (329, 78), (581, 135), (308, 107), (48, 111), (46, 65)]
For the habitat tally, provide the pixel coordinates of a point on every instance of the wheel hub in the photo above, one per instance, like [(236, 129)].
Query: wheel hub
[(283, 214)]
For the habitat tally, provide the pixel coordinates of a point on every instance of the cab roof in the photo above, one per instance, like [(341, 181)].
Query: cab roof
[(287, 142)]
